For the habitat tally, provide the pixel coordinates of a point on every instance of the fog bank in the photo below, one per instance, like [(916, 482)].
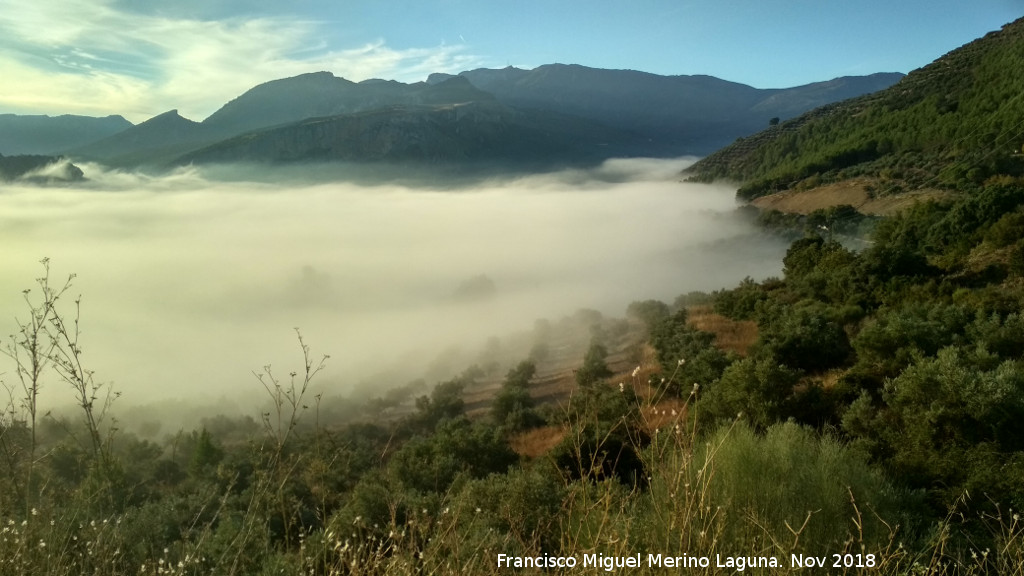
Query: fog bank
[(191, 281)]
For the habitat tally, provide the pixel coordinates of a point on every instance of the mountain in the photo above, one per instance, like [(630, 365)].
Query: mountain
[(611, 112), (154, 141), (163, 138), (471, 133), (684, 114), (321, 94), (52, 134), (956, 123)]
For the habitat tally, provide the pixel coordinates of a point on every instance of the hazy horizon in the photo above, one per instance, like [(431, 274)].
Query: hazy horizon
[(189, 284)]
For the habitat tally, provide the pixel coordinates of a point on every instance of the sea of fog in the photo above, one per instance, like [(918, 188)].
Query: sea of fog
[(191, 281)]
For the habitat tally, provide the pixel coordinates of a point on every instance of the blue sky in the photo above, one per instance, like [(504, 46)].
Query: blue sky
[(139, 58)]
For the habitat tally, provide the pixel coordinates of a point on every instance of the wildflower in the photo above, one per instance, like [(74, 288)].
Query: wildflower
[(35, 512), (622, 387), (636, 371), (478, 510), (681, 361)]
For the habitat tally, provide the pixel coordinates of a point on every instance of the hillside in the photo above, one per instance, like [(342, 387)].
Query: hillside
[(953, 124)]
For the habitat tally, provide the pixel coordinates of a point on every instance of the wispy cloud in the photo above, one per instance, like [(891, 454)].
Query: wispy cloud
[(90, 58)]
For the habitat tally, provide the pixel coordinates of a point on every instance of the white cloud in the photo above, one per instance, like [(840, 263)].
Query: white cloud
[(89, 58)]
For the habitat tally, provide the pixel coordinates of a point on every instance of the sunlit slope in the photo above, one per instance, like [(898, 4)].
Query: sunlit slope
[(952, 124)]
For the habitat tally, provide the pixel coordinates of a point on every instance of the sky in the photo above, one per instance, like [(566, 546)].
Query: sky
[(139, 58)]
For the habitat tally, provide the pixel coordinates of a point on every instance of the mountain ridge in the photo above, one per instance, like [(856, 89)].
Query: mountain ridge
[(48, 135), (663, 116), (694, 114)]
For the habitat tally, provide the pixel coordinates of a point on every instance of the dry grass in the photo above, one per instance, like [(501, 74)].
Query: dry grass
[(537, 442), (730, 335), (853, 192), (665, 414)]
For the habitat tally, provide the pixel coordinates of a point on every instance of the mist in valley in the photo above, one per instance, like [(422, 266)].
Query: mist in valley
[(193, 280)]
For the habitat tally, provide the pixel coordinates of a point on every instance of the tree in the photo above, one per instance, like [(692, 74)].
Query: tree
[(650, 312), (513, 405), (756, 387), (205, 454), (594, 368)]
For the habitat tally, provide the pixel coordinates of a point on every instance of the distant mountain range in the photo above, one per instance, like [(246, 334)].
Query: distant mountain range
[(50, 135), (554, 114), (683, 114)]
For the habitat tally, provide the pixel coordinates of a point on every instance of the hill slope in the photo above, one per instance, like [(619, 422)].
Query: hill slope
[(952, 124)]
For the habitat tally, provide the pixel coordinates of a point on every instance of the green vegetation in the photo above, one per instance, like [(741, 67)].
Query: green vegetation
[(955, 123)]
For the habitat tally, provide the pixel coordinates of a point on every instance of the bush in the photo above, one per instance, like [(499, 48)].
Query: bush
[(804, 336), (790, 475), (758, 388), (513, 406)]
